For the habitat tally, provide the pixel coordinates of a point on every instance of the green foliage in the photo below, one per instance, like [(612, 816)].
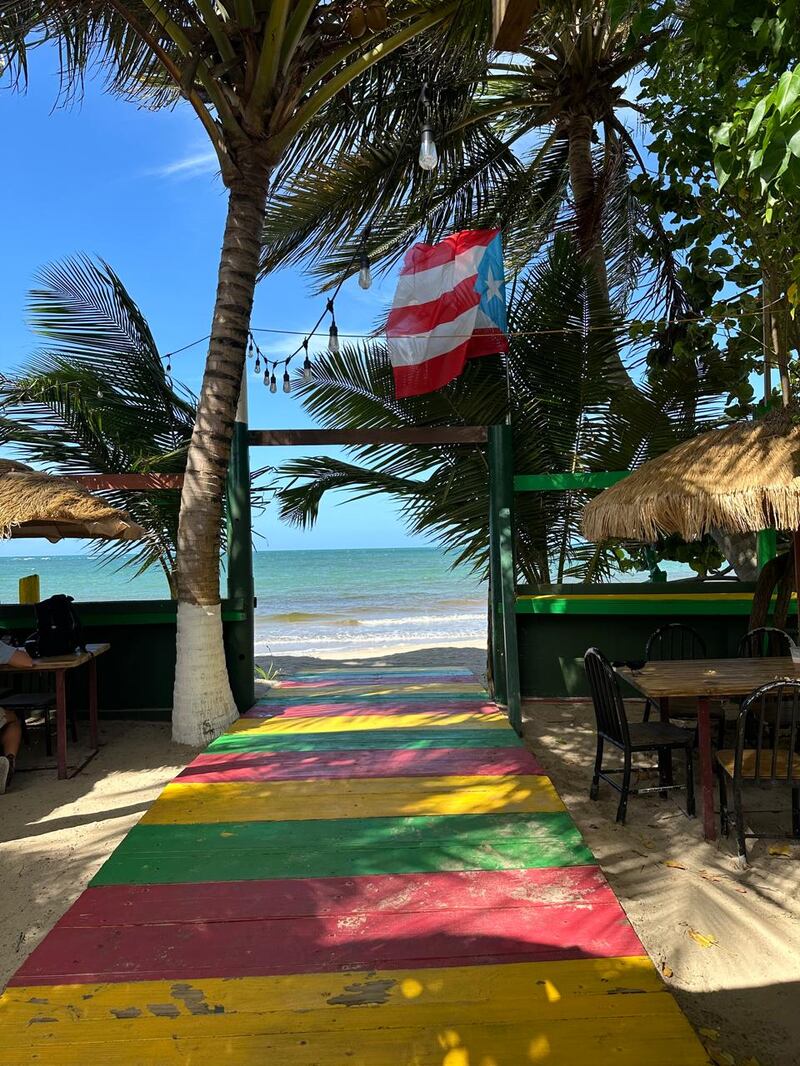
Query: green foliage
[(96, 399), (558, 384)]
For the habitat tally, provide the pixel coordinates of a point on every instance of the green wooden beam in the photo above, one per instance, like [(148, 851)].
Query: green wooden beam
[(601, 479)]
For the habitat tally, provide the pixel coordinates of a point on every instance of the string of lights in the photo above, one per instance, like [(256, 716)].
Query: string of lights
[(428, 160)]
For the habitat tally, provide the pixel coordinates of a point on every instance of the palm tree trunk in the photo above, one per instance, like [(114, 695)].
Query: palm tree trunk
[(202, 703)]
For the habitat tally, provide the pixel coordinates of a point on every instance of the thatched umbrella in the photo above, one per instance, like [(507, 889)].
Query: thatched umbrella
[(35, 504), (741, 479), (737, 480)]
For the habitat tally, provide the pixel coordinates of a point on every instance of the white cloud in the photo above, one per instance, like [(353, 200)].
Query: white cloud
[(191, 166)]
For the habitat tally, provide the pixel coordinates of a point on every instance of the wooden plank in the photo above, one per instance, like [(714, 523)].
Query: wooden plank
[(410, 922), (454, 721), (273, 708), (456, 698), (386, 797), (456, 1040), (420, 435), (368, 740), (549, 998), (245, 851), (337, 765), (708, 677)]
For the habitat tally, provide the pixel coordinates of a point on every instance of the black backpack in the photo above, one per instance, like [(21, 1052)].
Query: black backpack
[(59, 630)]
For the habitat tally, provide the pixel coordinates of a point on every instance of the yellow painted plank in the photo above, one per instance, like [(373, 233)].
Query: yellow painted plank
[(350, 723), (258, 801), (558, 1013)]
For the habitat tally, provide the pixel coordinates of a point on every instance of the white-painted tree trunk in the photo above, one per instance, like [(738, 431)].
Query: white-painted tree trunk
[(203, 705)]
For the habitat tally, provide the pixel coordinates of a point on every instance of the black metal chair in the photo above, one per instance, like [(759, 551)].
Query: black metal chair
[(613, 728), (678, 641), (774, 710), (765, 642)]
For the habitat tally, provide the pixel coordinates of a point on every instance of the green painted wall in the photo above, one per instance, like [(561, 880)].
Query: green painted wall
[(573, 618), (135, 678)]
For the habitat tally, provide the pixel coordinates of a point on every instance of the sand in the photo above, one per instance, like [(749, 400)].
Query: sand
[(727, 942)]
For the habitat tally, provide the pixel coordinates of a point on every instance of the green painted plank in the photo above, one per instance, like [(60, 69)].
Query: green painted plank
[(602, 605), (368, 739), (241, 851), (558, 482), (291, 695)]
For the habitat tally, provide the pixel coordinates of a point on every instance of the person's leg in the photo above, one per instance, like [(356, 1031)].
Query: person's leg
[(10, 740)]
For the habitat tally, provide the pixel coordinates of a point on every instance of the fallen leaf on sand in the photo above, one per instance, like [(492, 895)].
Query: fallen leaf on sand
[(712, 1034), (673, 865), (709, 877), (783, 850), (701, 938), (666, 970), (753, 1061), (721, 1058)]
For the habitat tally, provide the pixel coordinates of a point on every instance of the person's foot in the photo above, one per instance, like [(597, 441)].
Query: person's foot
[(5, 772)]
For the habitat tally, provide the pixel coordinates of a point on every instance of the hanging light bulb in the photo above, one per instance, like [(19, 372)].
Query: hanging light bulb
[(257, 367), (287, 384), (306, 369), (99, 393), (266, 377), (250, 346), (364, 274), (273, 384), (333, 339), (428, 156)]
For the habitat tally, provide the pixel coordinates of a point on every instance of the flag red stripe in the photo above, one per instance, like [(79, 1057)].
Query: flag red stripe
[(421, 318), (426, 256)]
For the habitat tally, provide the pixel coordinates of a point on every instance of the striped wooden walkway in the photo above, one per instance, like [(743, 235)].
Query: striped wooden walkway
[(367, 869)]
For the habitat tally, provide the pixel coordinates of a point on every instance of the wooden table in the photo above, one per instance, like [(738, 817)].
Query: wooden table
[(706, 679), (59, 665)]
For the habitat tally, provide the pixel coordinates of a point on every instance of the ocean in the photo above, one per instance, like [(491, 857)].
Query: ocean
[(359, 601)]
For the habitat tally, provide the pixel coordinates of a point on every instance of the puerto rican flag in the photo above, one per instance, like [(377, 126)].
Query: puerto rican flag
[(450, 306)]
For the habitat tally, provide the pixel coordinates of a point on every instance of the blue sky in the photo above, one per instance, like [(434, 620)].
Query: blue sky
[(140, 189)]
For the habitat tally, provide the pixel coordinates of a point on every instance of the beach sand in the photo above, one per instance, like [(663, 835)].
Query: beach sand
[(728, 943)]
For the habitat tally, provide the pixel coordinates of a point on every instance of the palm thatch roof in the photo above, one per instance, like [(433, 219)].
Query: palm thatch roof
[(35, 504), (736, 480)]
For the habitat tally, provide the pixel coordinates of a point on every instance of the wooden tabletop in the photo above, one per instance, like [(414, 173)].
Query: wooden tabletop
[(65, 662), (707, 677)]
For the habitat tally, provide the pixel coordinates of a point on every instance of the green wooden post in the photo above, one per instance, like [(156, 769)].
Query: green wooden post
[(495, 582), (767, 545), (501, 528), (240, 635)]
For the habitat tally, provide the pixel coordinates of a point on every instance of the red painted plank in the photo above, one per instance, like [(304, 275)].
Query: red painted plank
[(322, 708), (175, 932), (212, 767)]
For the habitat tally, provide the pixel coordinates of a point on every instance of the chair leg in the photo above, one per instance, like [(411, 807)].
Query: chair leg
[(724, 820), (664, 770), (721, 731), (626, 785), (48, 737), (796, 812), (648, 705), (594, 790), (690, 804), (73, 725), (738, 810)]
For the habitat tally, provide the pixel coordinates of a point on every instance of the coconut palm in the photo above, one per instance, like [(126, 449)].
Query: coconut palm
[(95, 398), (557, 381), (533, 146), (255, 73)]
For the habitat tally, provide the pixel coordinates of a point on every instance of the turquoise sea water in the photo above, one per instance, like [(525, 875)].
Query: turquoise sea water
[(309, 602)]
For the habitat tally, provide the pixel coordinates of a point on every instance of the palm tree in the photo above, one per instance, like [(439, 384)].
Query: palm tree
[(556, 382), (533, 146), (255, 73), (96, 399)]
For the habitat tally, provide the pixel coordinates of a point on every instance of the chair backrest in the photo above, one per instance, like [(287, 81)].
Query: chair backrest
[(675, 641), (768, 734), (765, 642), (609, 708)]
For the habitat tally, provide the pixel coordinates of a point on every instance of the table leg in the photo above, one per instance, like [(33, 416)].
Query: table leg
[(93, 703), (61, 722), (706, 767), (664, 754)]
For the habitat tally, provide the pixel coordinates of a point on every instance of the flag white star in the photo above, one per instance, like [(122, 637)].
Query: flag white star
[(492, 285)]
